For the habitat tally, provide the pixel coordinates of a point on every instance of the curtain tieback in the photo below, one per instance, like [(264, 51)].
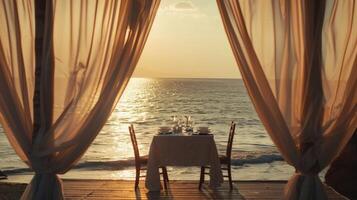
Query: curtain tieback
[(303, 173), (300, 173), (45, 172)]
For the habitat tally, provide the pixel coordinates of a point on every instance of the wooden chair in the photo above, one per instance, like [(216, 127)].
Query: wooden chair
[(141, 161), (224, 159)]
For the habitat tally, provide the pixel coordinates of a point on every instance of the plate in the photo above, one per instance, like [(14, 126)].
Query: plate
[(164, 133)]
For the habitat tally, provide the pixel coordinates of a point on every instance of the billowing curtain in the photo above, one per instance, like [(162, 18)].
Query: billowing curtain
[(96, 45), (298, 60)]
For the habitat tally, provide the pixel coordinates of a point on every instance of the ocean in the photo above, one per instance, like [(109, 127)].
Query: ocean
[(151, 103)]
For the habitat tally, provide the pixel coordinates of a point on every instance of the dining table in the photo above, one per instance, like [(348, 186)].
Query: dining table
[(182, 150)]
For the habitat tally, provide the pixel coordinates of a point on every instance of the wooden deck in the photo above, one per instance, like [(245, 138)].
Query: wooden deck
[(119, 189)]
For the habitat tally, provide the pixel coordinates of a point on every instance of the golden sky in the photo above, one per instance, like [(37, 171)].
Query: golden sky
[(187, 40)]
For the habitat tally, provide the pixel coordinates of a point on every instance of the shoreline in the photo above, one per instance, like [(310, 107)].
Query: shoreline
[(259, 172), (278, 170)]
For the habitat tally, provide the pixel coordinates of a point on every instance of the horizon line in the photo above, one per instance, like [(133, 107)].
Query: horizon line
[(185, 77)]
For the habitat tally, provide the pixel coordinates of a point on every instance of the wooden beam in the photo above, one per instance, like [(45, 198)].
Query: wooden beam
[(44, 67)]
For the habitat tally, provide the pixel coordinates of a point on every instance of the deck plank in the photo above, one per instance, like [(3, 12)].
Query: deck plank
[(115, 189), (121, 189)]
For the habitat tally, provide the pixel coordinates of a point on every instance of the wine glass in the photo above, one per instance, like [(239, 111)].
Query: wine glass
[(186, 121), (174, 118)]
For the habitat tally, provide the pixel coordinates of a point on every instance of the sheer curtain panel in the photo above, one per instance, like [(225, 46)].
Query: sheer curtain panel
[(96, 46), (298, 60)]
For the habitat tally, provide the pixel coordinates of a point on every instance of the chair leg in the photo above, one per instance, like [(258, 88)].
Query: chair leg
[(202, 177), (230, 177), (137, 177), (164, 174)]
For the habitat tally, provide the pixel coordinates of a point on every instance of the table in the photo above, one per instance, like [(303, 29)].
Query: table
[(182, 150)]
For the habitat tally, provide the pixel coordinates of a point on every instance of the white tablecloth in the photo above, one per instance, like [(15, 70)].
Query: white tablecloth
[(181, 150)]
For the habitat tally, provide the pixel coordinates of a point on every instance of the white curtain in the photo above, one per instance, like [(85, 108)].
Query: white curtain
[(298, 60), (96, 47)]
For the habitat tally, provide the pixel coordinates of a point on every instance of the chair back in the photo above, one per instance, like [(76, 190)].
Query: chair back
[(230, 140), (134, 142)]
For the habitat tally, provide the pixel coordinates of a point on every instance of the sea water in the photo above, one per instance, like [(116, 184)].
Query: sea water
[(151, 103)]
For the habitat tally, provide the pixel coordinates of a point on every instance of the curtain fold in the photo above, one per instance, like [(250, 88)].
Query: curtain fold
[(298, 60), (96, 47)]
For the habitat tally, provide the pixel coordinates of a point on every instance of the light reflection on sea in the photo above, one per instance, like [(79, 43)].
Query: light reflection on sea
[(150, 103)]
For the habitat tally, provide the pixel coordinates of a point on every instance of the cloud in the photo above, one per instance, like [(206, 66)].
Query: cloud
[(184, 6), (182, 9)]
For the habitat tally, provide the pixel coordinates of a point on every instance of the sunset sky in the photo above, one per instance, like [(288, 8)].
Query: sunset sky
[(187, 40)]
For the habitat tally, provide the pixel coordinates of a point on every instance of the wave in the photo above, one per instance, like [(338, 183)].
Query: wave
[(123, 164), (260, 159)]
